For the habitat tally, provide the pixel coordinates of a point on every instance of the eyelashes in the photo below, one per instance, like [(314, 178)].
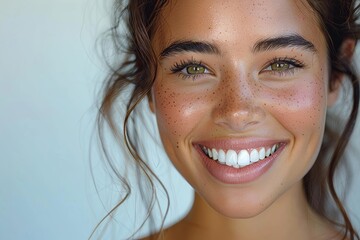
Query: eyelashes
[(280, 67), (190, 68)]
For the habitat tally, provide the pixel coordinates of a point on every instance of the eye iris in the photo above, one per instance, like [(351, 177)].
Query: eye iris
[(195, 70), (280, 66)]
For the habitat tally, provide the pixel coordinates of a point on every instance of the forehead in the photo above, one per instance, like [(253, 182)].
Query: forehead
[(234, 21)]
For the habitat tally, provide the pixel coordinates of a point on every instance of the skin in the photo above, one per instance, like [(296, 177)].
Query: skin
[(241, 97)]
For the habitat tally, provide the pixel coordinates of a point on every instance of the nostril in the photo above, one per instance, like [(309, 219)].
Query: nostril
[(236, 124)]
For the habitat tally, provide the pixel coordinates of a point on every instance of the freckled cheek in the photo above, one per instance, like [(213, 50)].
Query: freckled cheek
[(301, 109), (177, 113)]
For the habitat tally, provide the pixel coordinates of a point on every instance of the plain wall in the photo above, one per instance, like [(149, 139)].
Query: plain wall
[(49, 74), (47, 79)]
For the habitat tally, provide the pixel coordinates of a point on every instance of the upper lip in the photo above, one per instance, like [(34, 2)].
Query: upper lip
[(239, 143)]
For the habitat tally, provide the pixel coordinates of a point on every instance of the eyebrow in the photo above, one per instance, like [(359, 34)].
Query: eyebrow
[(189, 46), (292, 40)]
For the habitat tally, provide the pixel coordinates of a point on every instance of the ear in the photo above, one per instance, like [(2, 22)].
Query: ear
[(346, 53), (334, 88), (151, 101)]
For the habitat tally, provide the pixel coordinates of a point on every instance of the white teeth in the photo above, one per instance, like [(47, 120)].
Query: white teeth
[(215, 154), (222, 158), (209, 152), (243, 158), (268, 151), (262, 153), (254, 156), (231, 158), (273, 149)]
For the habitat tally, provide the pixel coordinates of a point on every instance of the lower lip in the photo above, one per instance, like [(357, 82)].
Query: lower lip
[(231, 175)]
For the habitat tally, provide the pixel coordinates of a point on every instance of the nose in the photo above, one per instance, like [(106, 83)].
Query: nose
[(238, 107)]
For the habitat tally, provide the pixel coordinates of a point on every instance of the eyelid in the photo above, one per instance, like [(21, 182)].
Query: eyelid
[(180, 68), (291, 61), (183, 70)]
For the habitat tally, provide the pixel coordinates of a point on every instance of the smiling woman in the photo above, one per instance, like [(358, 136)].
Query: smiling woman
[(241, 90)]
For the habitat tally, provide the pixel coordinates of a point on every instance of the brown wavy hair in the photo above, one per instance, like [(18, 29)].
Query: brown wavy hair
[(337, 18)]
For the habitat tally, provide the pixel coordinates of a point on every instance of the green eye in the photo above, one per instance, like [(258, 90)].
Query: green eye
[(283, 67), (280, 66), (191, 68), (195, 70)]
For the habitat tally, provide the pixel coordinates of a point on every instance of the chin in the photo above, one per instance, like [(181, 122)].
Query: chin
[(245, 212), (240, 207)]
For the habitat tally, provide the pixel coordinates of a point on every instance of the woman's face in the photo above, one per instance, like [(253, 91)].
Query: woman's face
[(240, 98)]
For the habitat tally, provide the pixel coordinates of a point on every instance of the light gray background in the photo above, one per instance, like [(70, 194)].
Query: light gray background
[(49, 73)]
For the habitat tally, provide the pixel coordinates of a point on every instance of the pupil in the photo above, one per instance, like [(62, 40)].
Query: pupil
[(280, 66), (195, 69)]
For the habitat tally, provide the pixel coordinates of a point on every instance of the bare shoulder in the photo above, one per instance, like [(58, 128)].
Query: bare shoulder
[(158, 236), (155, 236), (174, 232)]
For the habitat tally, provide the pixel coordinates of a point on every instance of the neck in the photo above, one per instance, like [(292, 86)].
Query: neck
[(289, 217)]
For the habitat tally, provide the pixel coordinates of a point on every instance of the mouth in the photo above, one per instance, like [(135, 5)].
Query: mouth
[(239, 161), (241, 157)]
